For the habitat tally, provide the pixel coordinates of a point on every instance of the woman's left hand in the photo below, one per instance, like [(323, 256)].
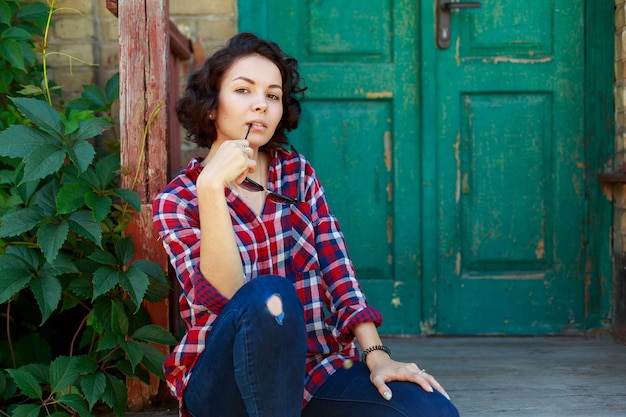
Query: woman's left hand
[(383, 369)]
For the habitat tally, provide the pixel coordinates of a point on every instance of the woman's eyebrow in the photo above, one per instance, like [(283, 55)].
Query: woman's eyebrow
[(246, 79)]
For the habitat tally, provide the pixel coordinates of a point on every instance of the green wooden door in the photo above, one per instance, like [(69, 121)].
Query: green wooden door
[(508, 164), (456, 174)]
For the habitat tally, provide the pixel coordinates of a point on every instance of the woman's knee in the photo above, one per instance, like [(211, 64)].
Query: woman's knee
[(273, 295)]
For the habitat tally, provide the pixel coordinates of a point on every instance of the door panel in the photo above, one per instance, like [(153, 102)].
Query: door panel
[(509, 151), (359, 128)]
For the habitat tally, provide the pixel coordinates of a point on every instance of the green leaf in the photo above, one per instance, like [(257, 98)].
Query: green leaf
[(47, 291), (14, 275), (104, 280), (99, 204), (135, 282), (104, 257), (155, 334), (133, 351), (93, 386), (31, 90), (40, 113), (86, 364), (81, 287), (15, 33), (107, 169), (100, 317), (17, 141), (130, 196), (112, 88), (116, 394), (119, 320), (125, 250), (34, 11), (93, 93), (19, 221), (26, 383), (82, 154), (43, 161), (71, 197), (152, 269), (51, 237), (159, 287), (12, 52), (26, 410), (5, 15), (63, 264), (83, 223), (38, 370), (45, 198), (29, 256), (77, 403), (63, 373), (108, 342), (153, 359)]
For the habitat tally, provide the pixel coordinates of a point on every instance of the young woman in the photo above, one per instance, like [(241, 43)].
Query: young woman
[(269, 294)]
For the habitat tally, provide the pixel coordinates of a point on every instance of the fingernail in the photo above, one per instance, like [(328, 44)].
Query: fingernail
[(430, 389), (447, 396), (387, 395)]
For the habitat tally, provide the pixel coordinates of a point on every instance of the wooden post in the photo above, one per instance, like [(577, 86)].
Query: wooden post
[(144, 106)]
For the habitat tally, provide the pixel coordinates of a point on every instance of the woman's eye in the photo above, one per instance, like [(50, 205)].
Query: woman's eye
[(273, 96), (242, 90)]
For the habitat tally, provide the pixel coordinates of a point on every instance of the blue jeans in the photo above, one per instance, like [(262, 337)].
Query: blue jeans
[(254, 360), (349, 393)]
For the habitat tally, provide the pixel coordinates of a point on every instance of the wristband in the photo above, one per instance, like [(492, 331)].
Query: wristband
[(373, 348)]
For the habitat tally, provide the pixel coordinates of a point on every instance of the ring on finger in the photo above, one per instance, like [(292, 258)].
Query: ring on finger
[(421, 371)]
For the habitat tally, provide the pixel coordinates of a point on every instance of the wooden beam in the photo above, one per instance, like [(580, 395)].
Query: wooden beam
[(144, 128)]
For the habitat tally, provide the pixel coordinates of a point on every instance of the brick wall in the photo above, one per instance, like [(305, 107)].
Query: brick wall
[(619, 191), (92, 34), (88, 31)]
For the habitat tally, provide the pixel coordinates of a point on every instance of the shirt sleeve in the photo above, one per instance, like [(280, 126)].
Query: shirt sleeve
[(345, 298), (175, 217)]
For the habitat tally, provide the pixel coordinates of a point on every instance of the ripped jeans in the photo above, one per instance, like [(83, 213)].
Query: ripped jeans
[(254, 360)]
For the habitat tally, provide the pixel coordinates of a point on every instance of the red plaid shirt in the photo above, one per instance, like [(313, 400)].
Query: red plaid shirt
[(302, 242)]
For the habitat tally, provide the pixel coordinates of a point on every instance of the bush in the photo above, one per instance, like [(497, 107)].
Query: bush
[(71, 290)]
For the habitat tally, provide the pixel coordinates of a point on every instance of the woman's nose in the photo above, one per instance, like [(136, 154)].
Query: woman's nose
[(260, 105)]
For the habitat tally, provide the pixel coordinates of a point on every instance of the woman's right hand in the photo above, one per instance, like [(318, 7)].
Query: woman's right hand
[(231, 162)]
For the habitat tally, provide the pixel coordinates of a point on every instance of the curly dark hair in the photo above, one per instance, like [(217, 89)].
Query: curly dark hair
[(203, 88)]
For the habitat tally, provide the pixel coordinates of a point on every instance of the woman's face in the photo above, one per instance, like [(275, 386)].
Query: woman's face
[(250, 94)]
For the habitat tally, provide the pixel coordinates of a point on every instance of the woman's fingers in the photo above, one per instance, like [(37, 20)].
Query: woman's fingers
[(405, 372), (383, 389)]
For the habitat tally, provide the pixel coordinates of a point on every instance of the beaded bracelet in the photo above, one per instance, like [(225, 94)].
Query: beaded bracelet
[(373, 348)]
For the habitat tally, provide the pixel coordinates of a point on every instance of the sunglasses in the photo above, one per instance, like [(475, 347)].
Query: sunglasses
[(251, 185)]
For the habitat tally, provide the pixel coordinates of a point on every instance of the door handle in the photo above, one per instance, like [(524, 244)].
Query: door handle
[(443, 19)]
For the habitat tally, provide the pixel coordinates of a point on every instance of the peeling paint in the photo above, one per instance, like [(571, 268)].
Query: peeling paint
[(607, 191), (396, 301), (390, 191), (540, 250), (510, 59), (379, 94), (388, 150), (457, 267), (457, 158), (464, 184), (389, 229), (427, 326)]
